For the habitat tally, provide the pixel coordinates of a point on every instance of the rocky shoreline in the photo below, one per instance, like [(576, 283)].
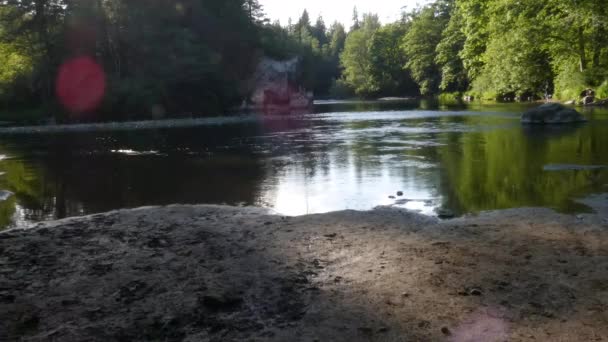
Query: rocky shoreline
[(141, 125), (212, 273)]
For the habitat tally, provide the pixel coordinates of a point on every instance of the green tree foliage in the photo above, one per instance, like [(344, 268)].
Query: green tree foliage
[(495, 49), (454, 77), (388, 75), (356, 22), (319, 49), (319, 31), (197, 56), (186, 56), (356, 58), (337, 36), (420, 44), (528, 47), (191, 56)]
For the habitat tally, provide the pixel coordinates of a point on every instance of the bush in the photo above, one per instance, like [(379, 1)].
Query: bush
[(569, 84), (450, 98), (602, 90)]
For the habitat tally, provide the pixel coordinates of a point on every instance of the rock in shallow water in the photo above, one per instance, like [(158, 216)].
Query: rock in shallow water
[(444, 213), (5, 194), (572, 167), (552, 113)]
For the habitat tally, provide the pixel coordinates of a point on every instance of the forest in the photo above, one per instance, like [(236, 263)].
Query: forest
[(165, 58)]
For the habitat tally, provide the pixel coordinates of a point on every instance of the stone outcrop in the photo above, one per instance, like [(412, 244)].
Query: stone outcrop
[(552, 113), (275, 85)]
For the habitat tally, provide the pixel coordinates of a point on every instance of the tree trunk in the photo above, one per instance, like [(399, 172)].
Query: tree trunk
[(597, 48), (581, 49), (41, 26)]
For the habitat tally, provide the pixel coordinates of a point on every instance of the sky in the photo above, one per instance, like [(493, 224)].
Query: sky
[(340, 10)]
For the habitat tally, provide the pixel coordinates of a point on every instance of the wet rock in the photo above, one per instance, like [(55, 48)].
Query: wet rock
[(552, 113), (5, 195), (572, 167), (587, 100), (445, 214)]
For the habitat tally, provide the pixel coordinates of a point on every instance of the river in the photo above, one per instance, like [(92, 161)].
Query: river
[(347, 155)]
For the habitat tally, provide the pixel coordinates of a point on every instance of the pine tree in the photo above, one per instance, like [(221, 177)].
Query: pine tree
[(255, 11), (356, 22)]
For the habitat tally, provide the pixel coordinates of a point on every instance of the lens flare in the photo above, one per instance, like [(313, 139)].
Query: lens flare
[(80, 85)]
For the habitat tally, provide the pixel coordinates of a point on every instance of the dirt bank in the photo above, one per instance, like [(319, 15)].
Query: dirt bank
[(208, 273)]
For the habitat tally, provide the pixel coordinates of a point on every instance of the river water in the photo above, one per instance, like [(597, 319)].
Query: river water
[(344, 156)]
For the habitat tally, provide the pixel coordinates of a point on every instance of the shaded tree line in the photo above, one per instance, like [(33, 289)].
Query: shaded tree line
[(196, 57), (159, 58)]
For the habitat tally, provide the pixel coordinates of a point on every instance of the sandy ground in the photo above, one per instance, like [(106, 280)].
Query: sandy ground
[(209, 273)]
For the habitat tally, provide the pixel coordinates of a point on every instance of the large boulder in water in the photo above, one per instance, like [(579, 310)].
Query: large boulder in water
[(552, 113)]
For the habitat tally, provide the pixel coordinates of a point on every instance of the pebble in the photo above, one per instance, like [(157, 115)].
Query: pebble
[(392, 197), (446, 331), (399, 193), (475, 292)]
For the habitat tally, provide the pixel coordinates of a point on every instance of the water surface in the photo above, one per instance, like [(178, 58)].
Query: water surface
[(346, 156)]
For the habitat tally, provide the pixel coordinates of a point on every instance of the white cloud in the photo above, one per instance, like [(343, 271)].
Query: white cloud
[(340, 10)]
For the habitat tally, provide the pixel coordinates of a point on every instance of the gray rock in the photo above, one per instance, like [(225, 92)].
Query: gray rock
[(475, 292), (445, 214), (572, 167), (5, 194), (587, 100), (552, 113), (399, 193)]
